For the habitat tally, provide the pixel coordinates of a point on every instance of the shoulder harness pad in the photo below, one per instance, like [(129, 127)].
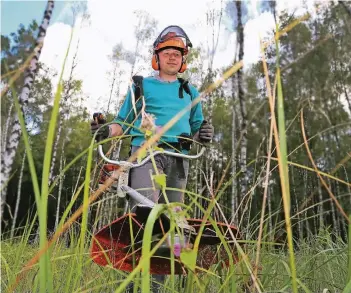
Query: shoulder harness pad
[(184, 84), (138, 83)]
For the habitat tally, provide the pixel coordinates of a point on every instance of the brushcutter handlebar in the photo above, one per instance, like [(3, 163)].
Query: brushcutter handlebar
[(134, 165)]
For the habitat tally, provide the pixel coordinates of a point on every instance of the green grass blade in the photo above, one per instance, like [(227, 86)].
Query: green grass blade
[(5, 269), (33, 172), (283, 168), (347, 288), (349, 253), (84, 223), (83, 228), (132, 237), (172, 228), (146, 249), (46, 282)]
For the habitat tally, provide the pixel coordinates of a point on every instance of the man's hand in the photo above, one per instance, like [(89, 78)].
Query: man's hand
[(206, 132), (98, 121)]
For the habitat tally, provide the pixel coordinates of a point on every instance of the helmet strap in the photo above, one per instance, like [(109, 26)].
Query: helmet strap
[(158, 60)]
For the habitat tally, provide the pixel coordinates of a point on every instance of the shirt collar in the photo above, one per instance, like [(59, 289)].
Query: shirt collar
[(162, 80)]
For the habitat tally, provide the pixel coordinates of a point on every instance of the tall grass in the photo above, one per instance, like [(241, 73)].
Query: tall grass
[(322, 265), (348, 286)]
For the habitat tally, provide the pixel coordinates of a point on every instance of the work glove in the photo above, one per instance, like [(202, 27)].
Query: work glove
[(98, 121), (206, 132)]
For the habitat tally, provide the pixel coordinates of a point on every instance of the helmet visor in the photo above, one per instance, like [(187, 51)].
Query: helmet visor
[(171, 32)]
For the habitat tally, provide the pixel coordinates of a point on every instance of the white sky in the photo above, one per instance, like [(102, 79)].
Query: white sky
[(111, 23)]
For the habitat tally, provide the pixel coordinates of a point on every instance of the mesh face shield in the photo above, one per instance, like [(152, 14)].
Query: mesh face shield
[(173, 36)]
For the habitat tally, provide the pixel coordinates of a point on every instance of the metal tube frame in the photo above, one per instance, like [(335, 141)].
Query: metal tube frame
[(132, 165)]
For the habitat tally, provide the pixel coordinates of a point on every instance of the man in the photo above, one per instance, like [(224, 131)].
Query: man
[(164, 96)]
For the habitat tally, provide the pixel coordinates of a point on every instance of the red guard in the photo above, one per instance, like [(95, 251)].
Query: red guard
[(110, 247)]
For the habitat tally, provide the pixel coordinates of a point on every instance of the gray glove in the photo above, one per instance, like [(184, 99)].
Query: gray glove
[(206, 132)]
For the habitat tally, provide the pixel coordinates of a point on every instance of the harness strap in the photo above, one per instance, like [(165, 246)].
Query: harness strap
[(138, 82), (184, 85)]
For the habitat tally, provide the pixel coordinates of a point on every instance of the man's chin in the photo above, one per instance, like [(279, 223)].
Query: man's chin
[(172, 72)]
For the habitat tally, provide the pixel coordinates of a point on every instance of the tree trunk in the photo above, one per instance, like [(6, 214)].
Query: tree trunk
[(269, 202), (241, 96), (348, 9), (211, 51), (333, 212), (18, 197), (114, 77), (305, 214), (201, 185), (348, 186), (347, 99), (234, 196), (196, 209), (6, 130), (335, 222), (342, 226), (320, 206), (62, 178), (294, 195), (54, 153), (63, 113), (14, 138), (118, 86), (299, 221)]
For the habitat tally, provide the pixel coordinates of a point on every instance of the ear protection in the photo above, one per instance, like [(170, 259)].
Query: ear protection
[(183, 67), (155, 63)]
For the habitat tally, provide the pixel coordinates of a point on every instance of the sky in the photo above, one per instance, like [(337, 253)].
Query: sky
[(111, 23), (14, 12)]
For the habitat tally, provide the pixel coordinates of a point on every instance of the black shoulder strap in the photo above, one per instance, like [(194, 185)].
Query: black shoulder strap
[(138, 82), (184, 85)]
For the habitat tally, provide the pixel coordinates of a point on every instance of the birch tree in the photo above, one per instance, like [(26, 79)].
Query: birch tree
[(234, 195), (7, 157), (64, 111), (18, 199), (213, 21), (242, 102), (144, 31)]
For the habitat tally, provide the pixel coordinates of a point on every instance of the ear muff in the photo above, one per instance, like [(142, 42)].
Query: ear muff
[(154, 62), (183, 67)]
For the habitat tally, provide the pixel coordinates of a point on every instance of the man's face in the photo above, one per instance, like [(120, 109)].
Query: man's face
[(170, 61)]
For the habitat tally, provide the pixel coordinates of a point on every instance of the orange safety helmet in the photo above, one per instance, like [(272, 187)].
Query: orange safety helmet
[(171, 37)]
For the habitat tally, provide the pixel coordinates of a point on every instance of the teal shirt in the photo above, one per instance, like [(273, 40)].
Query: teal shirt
[(162, 100)]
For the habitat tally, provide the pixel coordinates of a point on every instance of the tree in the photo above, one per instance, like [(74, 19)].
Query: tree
[(12, 142), (144, 31)]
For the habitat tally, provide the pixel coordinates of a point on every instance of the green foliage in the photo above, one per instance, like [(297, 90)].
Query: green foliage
[(160, 180), (16, 48)]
